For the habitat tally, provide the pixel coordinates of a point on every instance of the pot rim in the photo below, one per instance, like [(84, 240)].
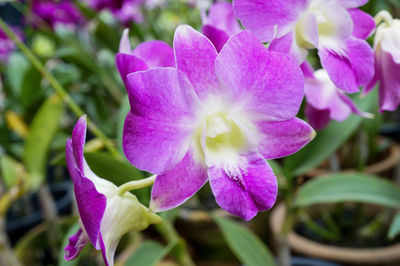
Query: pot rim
[(302, 245)]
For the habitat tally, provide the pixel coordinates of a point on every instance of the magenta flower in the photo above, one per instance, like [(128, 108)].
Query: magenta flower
[(217, 117), (387, 62), (56, 12), (126, 11), (335, 27), (146, 55), (325, 101), (220, 24), (105, 214)]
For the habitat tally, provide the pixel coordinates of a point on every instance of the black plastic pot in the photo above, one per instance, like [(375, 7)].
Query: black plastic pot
[(21, 218)]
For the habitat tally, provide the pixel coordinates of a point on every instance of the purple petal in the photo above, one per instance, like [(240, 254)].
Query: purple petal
[(128, 63), (91, 205), (179, 184), (75, 244), (265, 83), (389, 79), (263, 16), (307, 69), (244, 189), (364, 23), (222, 16), (349, 63), (351, 3), (195, 56), (318, 119), (158, 128), (78, 141), (287, 44), (282, 138), (216, 36), (155, 54)]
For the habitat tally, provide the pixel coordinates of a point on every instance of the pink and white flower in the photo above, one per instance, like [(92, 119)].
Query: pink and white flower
[(217, 118), (387, 62), (105, 214), (335, 27), (325, 101)]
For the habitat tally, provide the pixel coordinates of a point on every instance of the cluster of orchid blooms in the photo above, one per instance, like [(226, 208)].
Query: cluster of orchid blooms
[(221, 102)]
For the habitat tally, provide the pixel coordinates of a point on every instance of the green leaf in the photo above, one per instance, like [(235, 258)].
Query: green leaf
[(16, 67), (41, 132), (326, 142), (148, 254), (31, 89), (349, 187), (394, 229), (117, 171), (249, 249), (9, 170)]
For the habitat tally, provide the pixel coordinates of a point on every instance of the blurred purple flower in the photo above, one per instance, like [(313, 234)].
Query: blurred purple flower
[(387, 62), (105, 214), (7, 46), (56, 12), (335, 27), (146, 55), (220, 23), (126, 11), (324, 100), (215, 117)]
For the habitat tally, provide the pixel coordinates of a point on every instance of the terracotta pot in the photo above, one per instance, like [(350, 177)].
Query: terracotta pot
[(359, 256), (389, 162)]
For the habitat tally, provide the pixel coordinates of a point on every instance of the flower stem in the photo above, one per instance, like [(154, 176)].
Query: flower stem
[(136, 184), (58, 88)]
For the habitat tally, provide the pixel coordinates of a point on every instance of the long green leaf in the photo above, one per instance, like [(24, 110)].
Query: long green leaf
[(248, 248), (15, 70), (148, 254), (349, 187), (326, 142), (394, 229), (9, 170), (41, 132)]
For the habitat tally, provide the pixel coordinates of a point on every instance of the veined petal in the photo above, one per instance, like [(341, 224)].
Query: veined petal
[(158, 128), (246, 188), (195, 56), (179, 184), (267, 84), (282, 138), (349, 62), (128, 63), (364, 23), (269, 19), (123, 214), (155, 54), (351, 3), (287, 44), (76, 243)]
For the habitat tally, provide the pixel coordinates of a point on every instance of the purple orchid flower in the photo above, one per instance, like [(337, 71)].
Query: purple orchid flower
[(387, 62), (220, 24), (335, 27), (324, 100), (146, 55), (126, 11), (56, 12), (105, 214), (7, 46), (215, 117)]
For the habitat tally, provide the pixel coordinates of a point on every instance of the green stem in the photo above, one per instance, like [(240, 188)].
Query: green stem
[(136, 184), (58, 88), (167, 230)]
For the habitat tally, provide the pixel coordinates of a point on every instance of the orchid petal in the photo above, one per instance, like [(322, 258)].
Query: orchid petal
[(75, 245), (155, 54), (364, 23)]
